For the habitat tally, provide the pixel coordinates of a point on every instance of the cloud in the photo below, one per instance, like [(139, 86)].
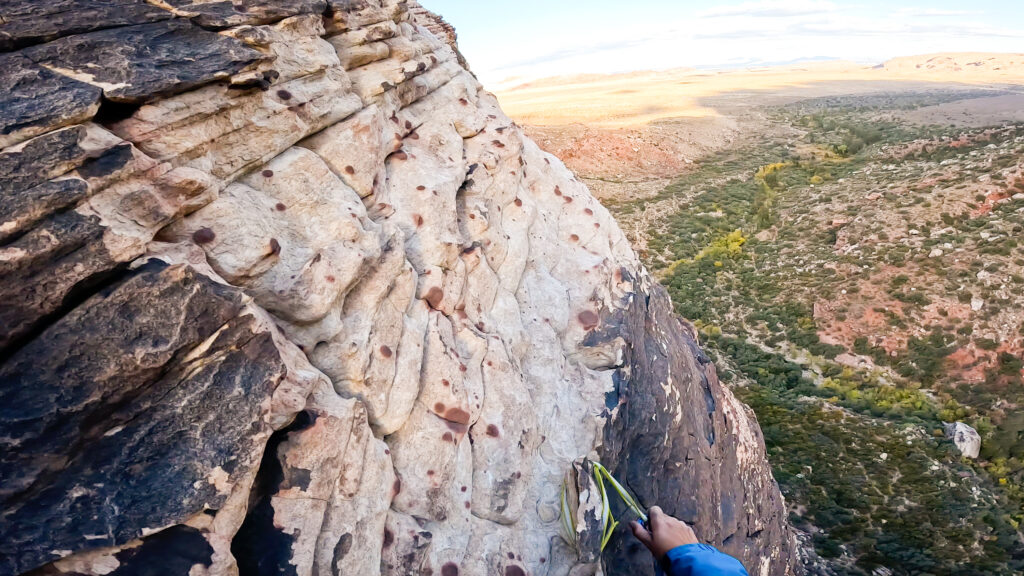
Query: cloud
[(759, 31), (771, 9), (925, 12)]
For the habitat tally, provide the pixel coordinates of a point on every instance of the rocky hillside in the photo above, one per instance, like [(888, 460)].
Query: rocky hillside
[(285, 292), (856, 270)]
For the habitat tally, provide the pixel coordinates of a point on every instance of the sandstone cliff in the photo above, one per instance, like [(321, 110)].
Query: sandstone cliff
[(285, 292)]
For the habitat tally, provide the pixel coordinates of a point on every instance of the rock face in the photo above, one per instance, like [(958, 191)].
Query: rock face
[(285, 292), (966, 438)]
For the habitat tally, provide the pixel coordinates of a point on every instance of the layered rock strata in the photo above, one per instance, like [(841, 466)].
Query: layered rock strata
[(285, 292)]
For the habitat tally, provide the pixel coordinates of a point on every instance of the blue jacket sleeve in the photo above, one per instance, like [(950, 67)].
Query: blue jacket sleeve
[(700, 560)]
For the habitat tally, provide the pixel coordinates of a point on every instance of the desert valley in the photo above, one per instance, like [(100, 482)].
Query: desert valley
[(848, 241)]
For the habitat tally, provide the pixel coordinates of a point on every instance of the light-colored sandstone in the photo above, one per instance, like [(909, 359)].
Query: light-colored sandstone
[(459, 321)]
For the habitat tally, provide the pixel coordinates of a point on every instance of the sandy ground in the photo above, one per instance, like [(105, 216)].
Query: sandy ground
[(627, 135)]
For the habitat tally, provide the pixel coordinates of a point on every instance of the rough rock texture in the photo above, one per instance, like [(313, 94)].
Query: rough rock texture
[(439, 27), (966, 438), (285, 292), (701, 436)]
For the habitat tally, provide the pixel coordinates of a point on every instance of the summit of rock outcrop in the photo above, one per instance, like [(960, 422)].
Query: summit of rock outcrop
[(285, 292)]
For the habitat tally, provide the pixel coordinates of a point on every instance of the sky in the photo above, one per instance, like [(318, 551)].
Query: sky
[(536, 38)]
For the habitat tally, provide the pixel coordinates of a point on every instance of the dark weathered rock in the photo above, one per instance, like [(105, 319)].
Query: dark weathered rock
[(61, 260), (677, 448), (56, 255), (54, 262), (33, 178), (259, 545), (27, 22), (144, 62), (238, 12), (113, 423), (40, 159), (20, 211), (34, 100)]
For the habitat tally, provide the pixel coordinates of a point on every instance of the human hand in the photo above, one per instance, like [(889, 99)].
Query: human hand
[(665, 534)]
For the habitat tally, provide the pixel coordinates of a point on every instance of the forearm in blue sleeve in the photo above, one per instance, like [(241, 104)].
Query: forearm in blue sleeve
[(700, 560)]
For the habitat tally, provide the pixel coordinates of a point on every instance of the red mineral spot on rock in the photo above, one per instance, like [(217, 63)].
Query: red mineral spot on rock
[(408, 125), (468, 505), (430, 472), (350, 170), (385, 351), (450, 569), (498, 143), (275, 247), (463, 101), (330, 279), (446, 383), (462, 367), (400, 155), (396, 487), (459, 429), (568, 199), (558, 191), (588, 212), (543, 559), (519, 202), (203, 236), (267, 173), (574, 238), (464, 488), (434, 297), (414, 136), (492, 431), (472, 216), (417, 220), (280, 207), (421, 188), (284, 95), (447, 437), (589, 319), (596, 225), (439, 408), (511, 556), (514, 570), (457, 415)]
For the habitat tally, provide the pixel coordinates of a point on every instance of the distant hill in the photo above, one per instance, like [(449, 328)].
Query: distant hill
[(987, 63)]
